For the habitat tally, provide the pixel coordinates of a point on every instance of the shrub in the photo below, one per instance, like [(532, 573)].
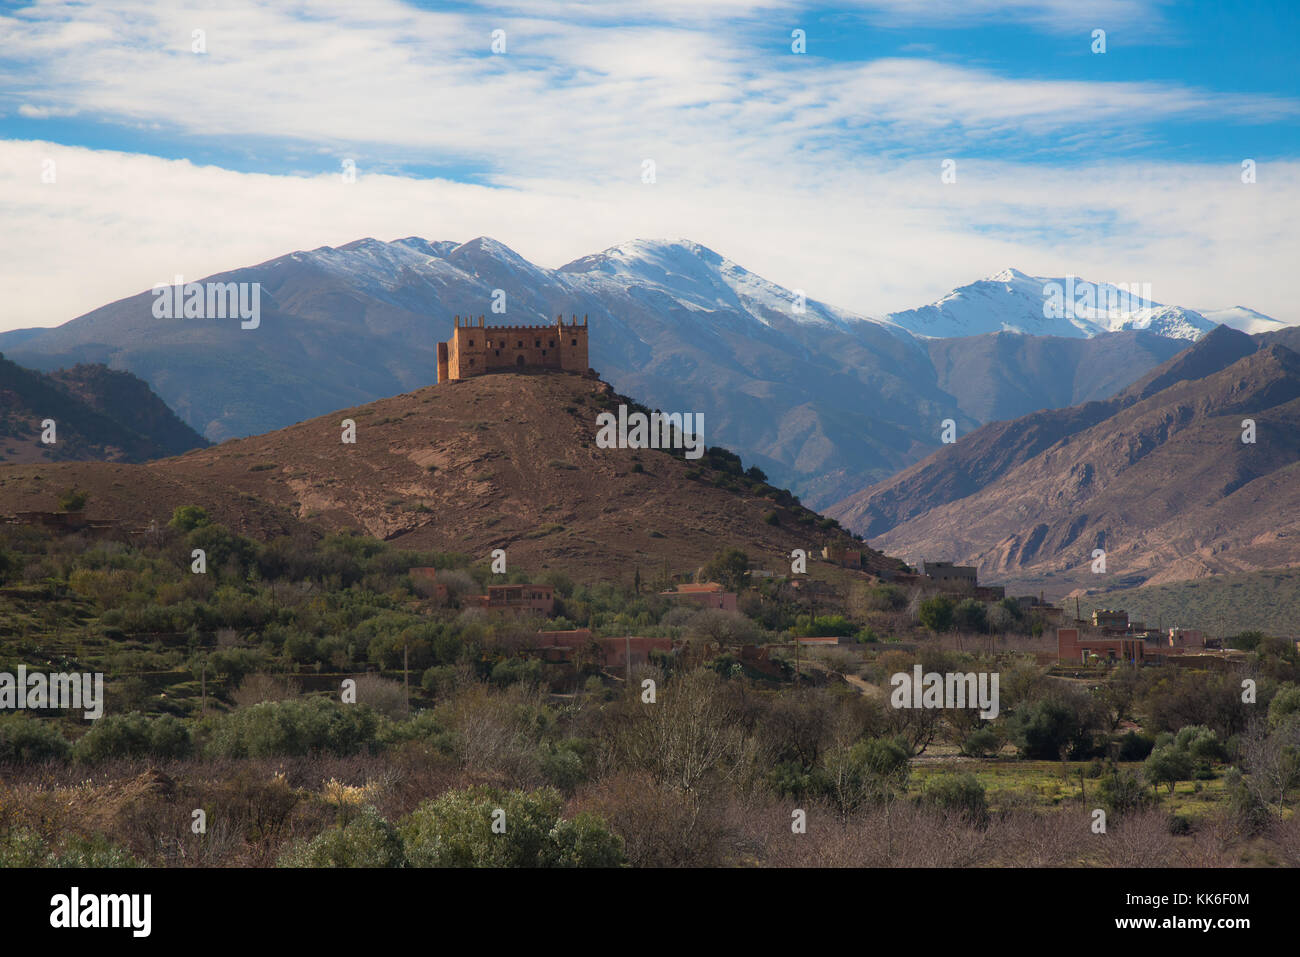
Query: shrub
[(456, 830), (383, 695), (981, 742), (1122, 791), (970, 615), (367, 840), (1135, 747), (256, 688), (26, 739), (73, 500), (299, 727), (1046, 727), (961, 793), (133, 736), (186, 518)]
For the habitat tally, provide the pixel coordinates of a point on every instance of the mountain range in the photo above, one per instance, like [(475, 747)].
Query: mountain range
[(825, 401), (1165, 477)]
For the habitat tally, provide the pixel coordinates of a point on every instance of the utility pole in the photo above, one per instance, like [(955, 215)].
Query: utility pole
[(627, 660)]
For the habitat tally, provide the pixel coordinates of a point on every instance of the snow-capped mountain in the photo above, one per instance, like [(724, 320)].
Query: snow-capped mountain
[(1243, 319), (823, 399), (1011, 301)]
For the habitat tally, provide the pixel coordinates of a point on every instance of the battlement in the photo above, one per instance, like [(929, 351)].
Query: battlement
[(471, 323), (475, 348)]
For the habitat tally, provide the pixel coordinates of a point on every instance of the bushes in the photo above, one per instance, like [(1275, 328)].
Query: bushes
[(970, 615), (367, 840), (133, 736), (981, 742), (960, 793), (1060, 723), (1122, 791), (27, 739), (1135, 747), (21, 847), (292, 728), (456, 829)]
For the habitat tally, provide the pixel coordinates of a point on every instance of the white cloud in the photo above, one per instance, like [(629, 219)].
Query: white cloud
[(43, 112), (871, 239)]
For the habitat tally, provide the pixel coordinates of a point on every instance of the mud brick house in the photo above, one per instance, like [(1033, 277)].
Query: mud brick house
[(1110, 621), (477, 349), (1073, 645), (948, 574), (709, 595), (519, 599), (845, 557), (612, 652)]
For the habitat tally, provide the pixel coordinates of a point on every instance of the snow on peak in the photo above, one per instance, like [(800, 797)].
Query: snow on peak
[(1013, 301)]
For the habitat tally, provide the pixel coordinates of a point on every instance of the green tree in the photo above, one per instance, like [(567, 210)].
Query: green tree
[(73, 500), (729, 567), (937, 613), (1167, 765), (186, 518), (970, 615)]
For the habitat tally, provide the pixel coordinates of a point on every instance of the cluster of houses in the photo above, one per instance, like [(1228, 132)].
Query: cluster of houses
[(1111, 636)]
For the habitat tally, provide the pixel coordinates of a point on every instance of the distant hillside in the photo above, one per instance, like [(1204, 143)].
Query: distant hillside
[(1267, 601), (500, 461), (99, 414), (1157, 476)]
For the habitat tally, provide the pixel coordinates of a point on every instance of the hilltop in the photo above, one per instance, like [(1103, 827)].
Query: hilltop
[(499, 461)]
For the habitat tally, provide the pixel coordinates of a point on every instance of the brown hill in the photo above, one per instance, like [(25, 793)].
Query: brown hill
[(1157, 476), (500, 461)]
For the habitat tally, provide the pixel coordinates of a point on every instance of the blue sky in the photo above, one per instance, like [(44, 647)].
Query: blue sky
[(820, 171)]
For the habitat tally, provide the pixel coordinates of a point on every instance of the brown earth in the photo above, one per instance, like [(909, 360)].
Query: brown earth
[(500, 461)]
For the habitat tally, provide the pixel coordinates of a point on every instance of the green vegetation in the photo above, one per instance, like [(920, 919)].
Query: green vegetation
[(1219, 605)]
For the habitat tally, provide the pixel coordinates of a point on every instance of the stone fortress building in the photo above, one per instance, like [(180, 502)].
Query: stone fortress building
[(475, 348)]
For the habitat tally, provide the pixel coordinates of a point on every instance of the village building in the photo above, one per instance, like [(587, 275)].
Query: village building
[(511, 599), (628, 651), (708, 595), (946, 573), (845, 557), (1073, 645)]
